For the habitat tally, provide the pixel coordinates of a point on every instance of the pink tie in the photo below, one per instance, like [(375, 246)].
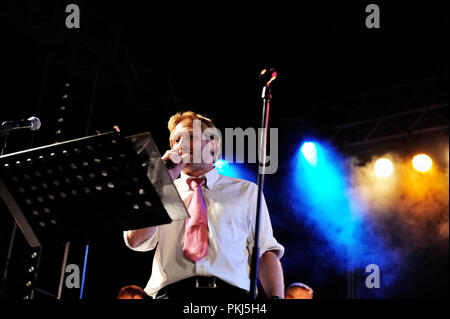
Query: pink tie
[(196, 234)]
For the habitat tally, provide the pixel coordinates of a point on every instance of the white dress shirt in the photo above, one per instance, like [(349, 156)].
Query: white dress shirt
[(231, 205)]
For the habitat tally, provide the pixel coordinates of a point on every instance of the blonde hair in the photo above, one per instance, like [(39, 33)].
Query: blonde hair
[(205, 124), (299, 285)]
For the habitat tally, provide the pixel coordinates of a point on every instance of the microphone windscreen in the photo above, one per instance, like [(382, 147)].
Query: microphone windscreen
[(35, 123)]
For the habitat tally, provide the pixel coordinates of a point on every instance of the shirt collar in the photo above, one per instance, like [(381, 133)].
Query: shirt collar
[(211, 178)]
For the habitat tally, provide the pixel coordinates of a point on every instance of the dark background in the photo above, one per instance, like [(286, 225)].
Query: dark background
[(135, 63)]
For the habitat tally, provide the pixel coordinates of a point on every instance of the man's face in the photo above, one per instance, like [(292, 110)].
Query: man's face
[(188, 140), (298, 293)]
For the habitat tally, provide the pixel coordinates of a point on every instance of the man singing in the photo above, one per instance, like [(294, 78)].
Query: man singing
[(208, 255)]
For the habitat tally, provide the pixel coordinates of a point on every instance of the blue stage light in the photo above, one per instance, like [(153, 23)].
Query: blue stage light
[(320, 186), (309, 152), (221, 165), (236, 170)]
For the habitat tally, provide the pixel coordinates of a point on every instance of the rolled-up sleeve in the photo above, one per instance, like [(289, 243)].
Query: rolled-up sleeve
[(267, 241), (147, 245)]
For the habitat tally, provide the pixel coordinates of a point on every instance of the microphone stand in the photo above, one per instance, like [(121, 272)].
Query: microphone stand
[(269, 75)]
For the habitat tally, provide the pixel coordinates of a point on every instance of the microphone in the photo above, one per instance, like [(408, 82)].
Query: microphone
[(169, 164), (173, 158), (32, 124)]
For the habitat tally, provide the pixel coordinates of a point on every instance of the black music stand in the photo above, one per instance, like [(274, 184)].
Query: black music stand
[(65, 191)]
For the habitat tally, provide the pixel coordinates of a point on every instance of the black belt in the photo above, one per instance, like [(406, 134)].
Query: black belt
[(200, 283)]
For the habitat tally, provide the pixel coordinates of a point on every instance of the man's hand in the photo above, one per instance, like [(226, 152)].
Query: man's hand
[(178, 161)]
